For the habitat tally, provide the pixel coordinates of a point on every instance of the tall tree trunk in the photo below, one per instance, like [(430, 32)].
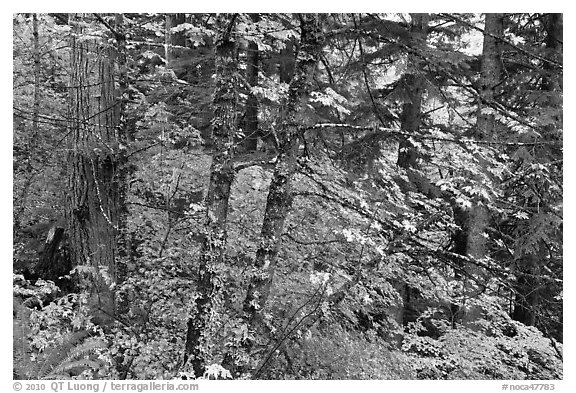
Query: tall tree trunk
[(528, 285), (474, 221), (21, 200), (251, 113), (94, 169), (527, 289), (123, 136), (411, 119), (491, 73), (552, 82), (279, 201), (491, 77), (414, 81), (201, 326), (36, 56)]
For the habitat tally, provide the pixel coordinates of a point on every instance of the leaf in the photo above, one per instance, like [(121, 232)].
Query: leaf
[(331, 99)]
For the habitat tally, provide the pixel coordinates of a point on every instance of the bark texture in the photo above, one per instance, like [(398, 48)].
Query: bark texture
[(529, 285), (20, 202), (411, 119), (491, 73), (250, 122), (209, 285), (279, 200), (490, 79), (94, 199), (414, 84), (474, 221)]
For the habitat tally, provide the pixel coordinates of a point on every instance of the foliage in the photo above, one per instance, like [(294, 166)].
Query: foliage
[(374, 278), (57, 340), (501, 349), (148, 342), (333, 353)]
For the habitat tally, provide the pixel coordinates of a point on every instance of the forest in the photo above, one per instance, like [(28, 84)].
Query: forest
[(288, 196)]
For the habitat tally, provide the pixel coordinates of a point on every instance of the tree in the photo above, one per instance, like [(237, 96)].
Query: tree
[(251, 112), (537, 252), (398, 228), (491, 75), (279, 201), (209, 287), (35, 126), (414, 85), (95, 168), (474, 220)]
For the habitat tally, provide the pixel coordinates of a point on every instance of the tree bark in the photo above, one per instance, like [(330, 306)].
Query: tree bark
[(209, 286), (474, 221), (411, 116), (251, 113), (21, 200), (94, 198), (554, 24), (36, 55), (490, 78), (54, 263), (123, 136), (411, 119), (491, 73), (528, 286), (279, 201)]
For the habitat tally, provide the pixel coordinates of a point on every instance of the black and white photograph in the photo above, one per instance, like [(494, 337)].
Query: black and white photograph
[(287, 196)]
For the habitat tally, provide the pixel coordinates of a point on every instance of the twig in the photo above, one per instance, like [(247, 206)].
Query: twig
[(394, 131), (117, 35)]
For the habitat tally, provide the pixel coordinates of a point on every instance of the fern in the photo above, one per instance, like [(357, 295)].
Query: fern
[(73, 356), (74, 366), (20, 349)]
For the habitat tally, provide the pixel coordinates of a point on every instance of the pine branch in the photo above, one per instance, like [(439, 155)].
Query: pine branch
[(393, 131)]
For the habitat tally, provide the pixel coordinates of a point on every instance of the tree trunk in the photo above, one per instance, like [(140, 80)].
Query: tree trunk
[(123, 136), (491, 73), (94, 199), (473, 222), (554, 25), (491, 77), (251, 113), (528, 285), (36, 55), (527, 288), (411, 118), (21, 200), (201, 326), (279, 201), (54, 262)]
